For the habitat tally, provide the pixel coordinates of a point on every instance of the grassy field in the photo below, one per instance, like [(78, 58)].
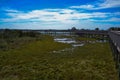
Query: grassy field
[(36, 61)]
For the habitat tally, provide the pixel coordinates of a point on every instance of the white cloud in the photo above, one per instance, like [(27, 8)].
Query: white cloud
[(110, 4), (100, 5), (11, 10), (84, 6), (52, 15), (56, 17), (113, 19)]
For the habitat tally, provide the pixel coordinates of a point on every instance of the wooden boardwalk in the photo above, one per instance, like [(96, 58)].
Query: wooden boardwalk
[(115, 46)]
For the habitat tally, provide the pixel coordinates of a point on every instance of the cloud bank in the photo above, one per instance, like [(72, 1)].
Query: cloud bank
[(64, 18), (99, 5)]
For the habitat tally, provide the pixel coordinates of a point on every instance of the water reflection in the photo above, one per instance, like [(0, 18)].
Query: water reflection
[(74, 44), (65, 40), (71, 41)]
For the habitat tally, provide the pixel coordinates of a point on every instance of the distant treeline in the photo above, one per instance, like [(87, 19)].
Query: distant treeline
[(7, 33), (111, 28), (115, 28)]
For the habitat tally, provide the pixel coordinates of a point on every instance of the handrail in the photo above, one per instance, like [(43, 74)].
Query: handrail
[(115, 37)]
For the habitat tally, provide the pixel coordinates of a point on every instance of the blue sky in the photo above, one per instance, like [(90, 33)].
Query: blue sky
[(59, 14)]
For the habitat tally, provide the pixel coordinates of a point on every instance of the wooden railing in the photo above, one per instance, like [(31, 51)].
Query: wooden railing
[(115, 46), (115, 37)]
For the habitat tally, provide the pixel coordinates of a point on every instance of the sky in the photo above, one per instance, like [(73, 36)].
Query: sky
[(59, 14)]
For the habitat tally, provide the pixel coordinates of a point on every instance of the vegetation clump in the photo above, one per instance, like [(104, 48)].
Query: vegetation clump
[(10, 39)]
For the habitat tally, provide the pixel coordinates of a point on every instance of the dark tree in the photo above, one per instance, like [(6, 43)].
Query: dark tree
[(73, 29), (96, 29)]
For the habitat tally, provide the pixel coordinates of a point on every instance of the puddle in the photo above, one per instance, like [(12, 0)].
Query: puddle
[(65, 40), (77, 45), (74, 44), (69, 41)]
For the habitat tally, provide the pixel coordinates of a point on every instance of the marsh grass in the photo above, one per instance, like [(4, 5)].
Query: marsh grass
[(34, 61), (85, 39)]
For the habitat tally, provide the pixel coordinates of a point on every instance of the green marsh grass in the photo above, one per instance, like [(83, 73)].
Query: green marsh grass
[(34, 61)]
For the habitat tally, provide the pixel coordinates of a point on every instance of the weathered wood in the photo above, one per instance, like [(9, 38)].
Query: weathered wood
[(115, 37), (115, 46)]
